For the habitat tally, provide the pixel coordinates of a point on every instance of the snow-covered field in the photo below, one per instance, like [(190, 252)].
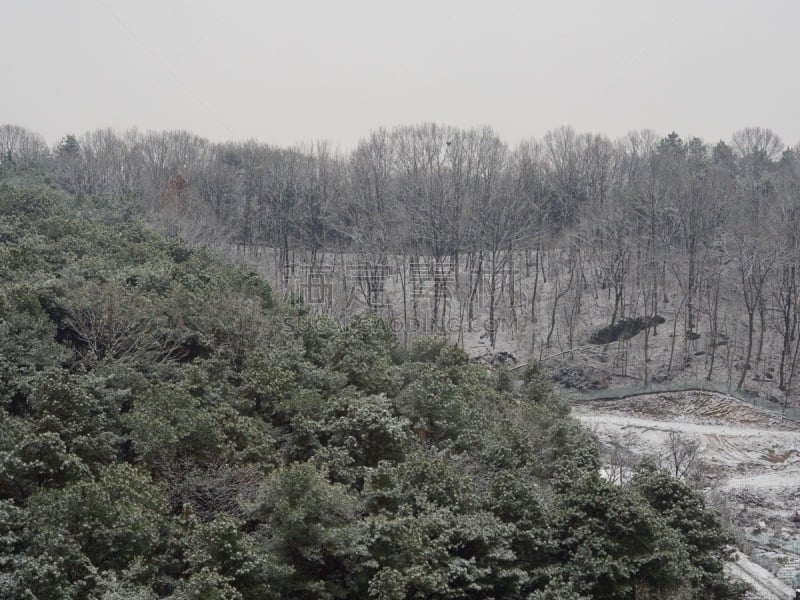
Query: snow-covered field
[(747, 460)]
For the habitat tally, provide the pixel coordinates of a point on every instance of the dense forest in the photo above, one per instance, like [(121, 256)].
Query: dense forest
[(443, 230), (170, 426)]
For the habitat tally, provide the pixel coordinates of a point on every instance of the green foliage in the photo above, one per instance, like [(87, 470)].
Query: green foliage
[(610, 541), (363, 431), (27, 345), (364, 351), (168, 428), (709, 544), (61, 404), (369, 426), (440, 410), (207, 584), (223, 557), (30, 461), (113, 519), (439, 351), (538, 391), (503, 380), (26, 204), (168, 423), (73, 535), (430, 539), (417, 483), (510, 445), (526, 509), (439, 554), (309, 527), (558, 589), (266, 383)]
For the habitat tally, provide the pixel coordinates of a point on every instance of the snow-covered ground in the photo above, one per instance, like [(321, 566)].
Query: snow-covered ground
[(764, 584), (549, 317), (747, 461)]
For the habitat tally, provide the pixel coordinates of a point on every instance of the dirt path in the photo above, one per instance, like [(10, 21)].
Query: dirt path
[(590, 417), (764, 584)]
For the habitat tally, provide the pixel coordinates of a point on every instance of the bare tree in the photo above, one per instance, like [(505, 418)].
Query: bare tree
[(609, 236), (695, 205), (786, 291), (759, 144), (20, 146), (754, 260), (368, 218), (680, 454), (502, 221), (425, 159)]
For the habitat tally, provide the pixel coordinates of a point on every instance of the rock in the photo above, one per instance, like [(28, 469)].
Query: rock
[(580, 377), (624, 329), (497, 359), (501, 358)]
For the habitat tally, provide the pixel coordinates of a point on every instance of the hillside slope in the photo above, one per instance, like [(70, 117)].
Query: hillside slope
[(169, 429)]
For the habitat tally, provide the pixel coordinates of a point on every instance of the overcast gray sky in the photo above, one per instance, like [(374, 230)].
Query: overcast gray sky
[(296, 71)]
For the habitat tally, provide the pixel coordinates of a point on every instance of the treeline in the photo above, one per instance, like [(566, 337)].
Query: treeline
[(537, 234), (171, 429)]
